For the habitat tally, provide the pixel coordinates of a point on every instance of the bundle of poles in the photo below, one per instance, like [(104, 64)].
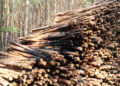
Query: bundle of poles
[(81, 49)]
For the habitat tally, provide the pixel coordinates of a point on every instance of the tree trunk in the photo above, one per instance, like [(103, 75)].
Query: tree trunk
[(1, 21), (26, 29)]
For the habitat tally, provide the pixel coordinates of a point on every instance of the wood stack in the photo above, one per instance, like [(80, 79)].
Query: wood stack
[(82, 49)]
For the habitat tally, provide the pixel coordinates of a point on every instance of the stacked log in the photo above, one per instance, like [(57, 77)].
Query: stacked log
[(82, 49)]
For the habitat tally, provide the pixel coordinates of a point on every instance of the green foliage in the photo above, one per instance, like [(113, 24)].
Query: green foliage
[(11, 29), (96, 0), (5, 16), (1, 5), (15, 4), (87, 2), (35, 3)]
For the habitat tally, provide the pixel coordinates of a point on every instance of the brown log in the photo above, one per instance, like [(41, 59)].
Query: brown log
[(67, 82)]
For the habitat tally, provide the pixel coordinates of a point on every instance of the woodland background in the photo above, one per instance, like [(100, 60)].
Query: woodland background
[(19, 17)]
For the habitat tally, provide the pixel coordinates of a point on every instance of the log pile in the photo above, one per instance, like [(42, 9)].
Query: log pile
[(82, 49)]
